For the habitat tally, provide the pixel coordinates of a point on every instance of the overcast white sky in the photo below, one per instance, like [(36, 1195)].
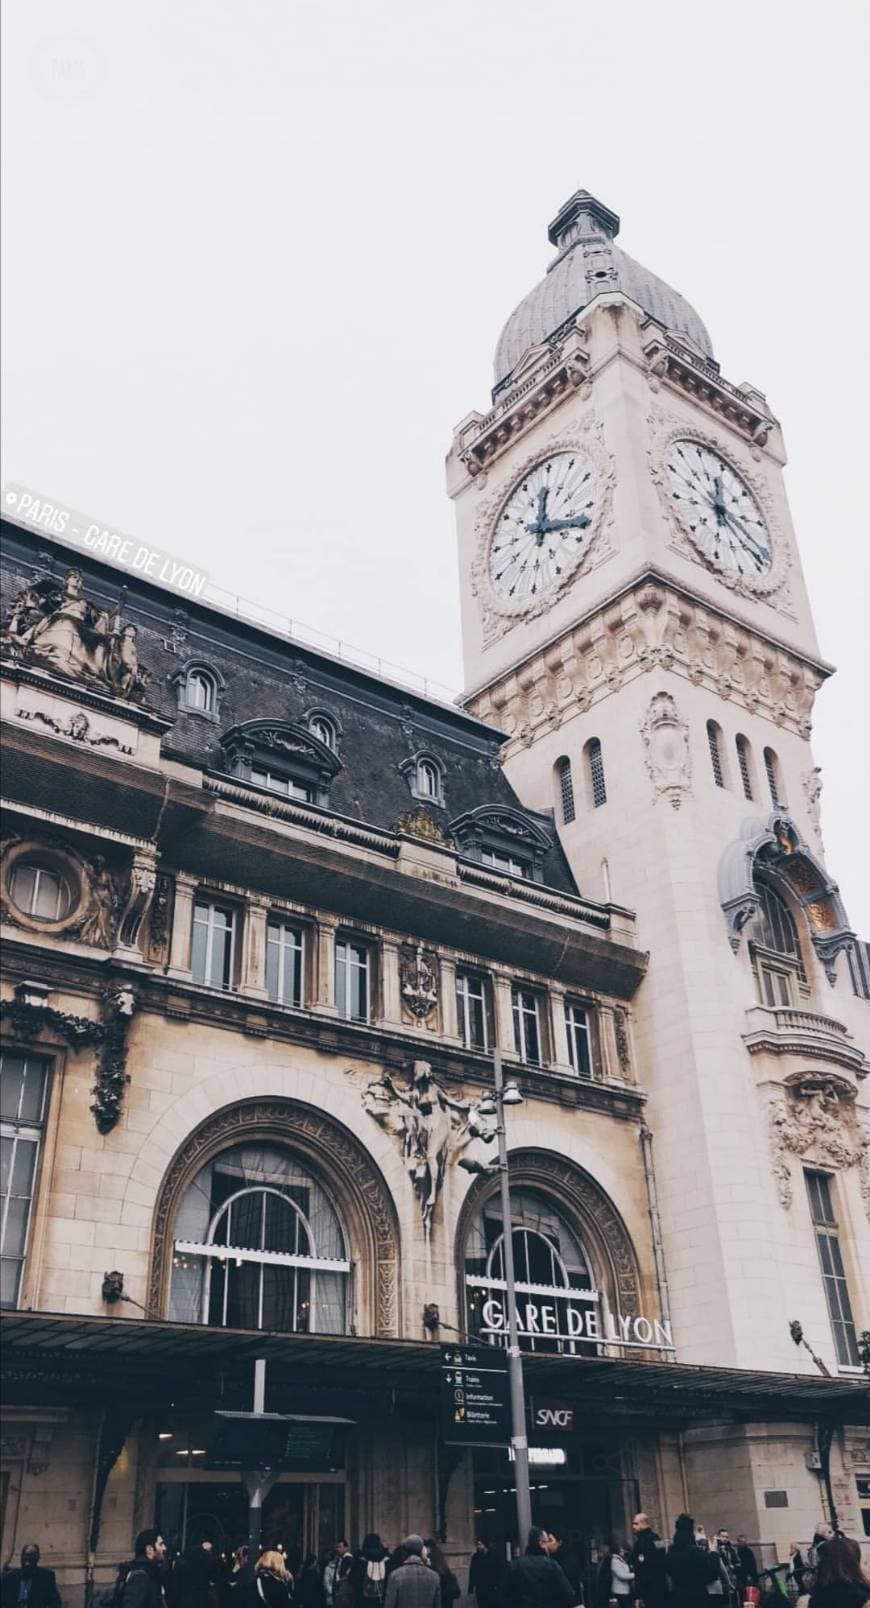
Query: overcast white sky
[(258, 255)]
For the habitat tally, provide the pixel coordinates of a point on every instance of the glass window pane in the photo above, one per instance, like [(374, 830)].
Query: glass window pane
[(11, 1085), (10, 1278), (200, 943), (14, 1238), (33, 1094), (7, 1151), (24, 1167)]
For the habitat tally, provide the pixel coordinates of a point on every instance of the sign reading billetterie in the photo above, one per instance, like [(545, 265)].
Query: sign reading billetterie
[(475, 1403), (41, 513)]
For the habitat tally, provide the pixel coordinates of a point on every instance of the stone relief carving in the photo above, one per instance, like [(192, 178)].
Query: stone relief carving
[(666, 750), (77, 728), (816, 1120), (95, 901), (140, 891), (52, 626), (159, 915), (26, 1019), (419, 823), (354, 1175), (812, 785), (418, 981), (432, 1125), (498, 614)]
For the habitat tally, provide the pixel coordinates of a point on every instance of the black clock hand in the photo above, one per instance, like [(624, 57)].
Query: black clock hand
[(719, 507), (738, 525), (579, 522)]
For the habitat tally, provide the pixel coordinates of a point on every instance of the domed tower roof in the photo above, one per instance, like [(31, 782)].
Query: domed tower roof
[(587, 263)]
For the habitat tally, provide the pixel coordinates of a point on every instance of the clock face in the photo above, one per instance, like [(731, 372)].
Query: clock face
[(542, 530), (718, 509)]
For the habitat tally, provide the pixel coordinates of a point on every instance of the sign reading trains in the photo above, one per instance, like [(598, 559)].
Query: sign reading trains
[(475, 1402)]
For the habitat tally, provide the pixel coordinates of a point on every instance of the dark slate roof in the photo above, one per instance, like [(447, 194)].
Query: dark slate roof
[(268, 677)]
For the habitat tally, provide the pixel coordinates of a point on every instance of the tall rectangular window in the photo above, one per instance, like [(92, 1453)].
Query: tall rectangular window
[(579, 1038), (595, 764), (833, 1273), (23, 1086), (527, 1025), (742, 747), (352, 979), (213, 948), (471, 1010), (285, 946)]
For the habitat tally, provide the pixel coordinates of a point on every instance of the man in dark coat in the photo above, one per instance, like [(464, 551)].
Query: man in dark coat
[(535, 1580), (648, 1560), (690, 1568), (484, 1573), (747, 1566), (143, 1587), (195, 1575), (30, 1586)]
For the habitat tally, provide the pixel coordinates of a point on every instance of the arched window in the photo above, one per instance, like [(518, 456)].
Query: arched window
[(551, 1270), (428, 779), (199, 688), (424, 774), (565, 784), (324, 729), (743, 761), (39, 889), (199, 691), (595, 773), (774, 779), (714, 739), (258, 1245), (780, 976)]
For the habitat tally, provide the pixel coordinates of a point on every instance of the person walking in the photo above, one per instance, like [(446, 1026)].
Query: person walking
[(449, 1584), (567, 1555), (484, 1573), (194, 1576), (603, 1576), (369, 1574), (413, 1584), (622, 1575), (272, 1585), (648, 1560), (798, 1568), (337, 1587), (536, 1580), (30, 1586), (747, 1567), (309, 1584), (840, 1579), (690, 1568)]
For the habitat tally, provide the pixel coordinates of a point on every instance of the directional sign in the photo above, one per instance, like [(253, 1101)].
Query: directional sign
[(475, 1400)]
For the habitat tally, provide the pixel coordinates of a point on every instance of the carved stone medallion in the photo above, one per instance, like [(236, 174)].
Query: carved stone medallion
[(666, 750)]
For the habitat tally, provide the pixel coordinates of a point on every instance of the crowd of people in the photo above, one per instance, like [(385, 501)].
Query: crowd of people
[(550, 1573)]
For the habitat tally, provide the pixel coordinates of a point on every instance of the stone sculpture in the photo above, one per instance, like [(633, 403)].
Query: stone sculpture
[(432, 1125), (52, 626)]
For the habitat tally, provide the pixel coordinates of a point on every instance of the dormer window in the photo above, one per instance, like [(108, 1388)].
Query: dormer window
[(324, 728), (506, 840), (199, 688), (425, 777), (283, 757)]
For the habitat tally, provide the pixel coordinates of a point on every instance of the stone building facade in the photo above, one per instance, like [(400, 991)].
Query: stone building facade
[(266, 916)]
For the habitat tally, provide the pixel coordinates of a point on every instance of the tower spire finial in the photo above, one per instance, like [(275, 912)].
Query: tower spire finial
[(581, 205)]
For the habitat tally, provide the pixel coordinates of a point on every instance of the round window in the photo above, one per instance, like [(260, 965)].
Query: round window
[(39, 890)]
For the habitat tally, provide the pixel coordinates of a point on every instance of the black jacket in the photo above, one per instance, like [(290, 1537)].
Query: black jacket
[(142, 1588), (484, 1573), (43, 1588), (839, 1594), (690, 1571), (649, 1562), (536, 1581), (747, 1567), (266, 1591)]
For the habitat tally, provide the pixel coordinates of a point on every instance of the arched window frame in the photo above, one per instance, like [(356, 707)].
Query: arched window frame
[(593, 765), (564, 784), (775, 950), (325, 727), (745, 767), (716, 746), (423, 772), (773, 772), (295, 763), (183, 679)]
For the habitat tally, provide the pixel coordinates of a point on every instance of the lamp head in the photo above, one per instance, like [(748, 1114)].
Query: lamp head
[(512, 1094), (482, 1168)]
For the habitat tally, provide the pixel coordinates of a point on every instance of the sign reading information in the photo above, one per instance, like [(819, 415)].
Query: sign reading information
[(475, 1401)]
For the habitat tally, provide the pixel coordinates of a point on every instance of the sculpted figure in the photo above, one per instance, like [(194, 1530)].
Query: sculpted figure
[(52, 625), (432, 1126)]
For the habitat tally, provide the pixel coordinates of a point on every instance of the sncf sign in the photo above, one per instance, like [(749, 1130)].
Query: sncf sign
[(553, 1415)]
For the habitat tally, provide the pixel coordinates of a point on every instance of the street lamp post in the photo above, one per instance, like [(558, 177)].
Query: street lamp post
[(519, 1437)]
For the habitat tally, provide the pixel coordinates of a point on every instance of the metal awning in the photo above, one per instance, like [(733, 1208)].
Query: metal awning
[(42, 1350)]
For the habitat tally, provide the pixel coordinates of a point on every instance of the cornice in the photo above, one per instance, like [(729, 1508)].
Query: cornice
[(75, 692), (651, 623), (235, 1013)]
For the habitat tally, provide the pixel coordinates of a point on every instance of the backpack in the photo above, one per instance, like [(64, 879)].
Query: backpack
[(374, 1580), (113, 1596)]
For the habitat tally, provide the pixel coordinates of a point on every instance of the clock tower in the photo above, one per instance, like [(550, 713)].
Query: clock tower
[(635, 619)]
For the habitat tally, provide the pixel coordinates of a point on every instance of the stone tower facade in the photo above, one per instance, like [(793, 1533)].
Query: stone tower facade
[(636, 620)]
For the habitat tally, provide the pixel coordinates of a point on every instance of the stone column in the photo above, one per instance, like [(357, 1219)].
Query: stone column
[(254, 949), (504, 1015), (390, 997), (606, 1062), (449, 1019), (560, 1058), (324, 981), (182, 926)]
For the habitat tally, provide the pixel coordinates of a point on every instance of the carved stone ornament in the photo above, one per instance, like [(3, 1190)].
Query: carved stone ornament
[(774, 845), (77, 727), (25, 1020), (812, 785), (499, 613), (816, 1120), (432, 1126), (354, 1181), (664, 430), (666, 750), (53, 627), (418, 981), (419, 823), (95, 897), (140, 892)]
